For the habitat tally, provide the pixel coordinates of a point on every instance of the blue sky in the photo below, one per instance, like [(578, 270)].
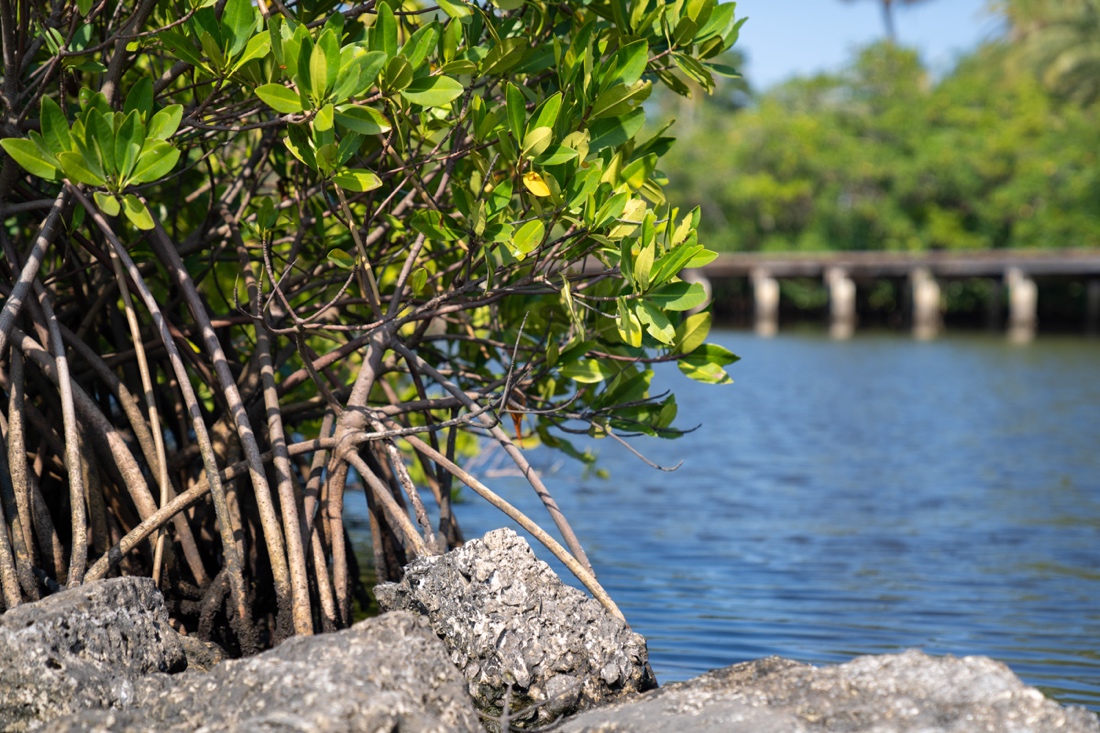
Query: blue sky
[(785, 38)]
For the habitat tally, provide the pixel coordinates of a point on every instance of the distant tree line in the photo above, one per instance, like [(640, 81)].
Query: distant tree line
[(1001, 152)]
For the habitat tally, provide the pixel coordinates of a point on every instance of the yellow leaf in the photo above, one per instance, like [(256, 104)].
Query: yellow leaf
[(534, 183)]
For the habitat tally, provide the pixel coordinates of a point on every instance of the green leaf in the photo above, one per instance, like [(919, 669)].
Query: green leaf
[(626, 65), (615, 131), (723, 70), (436, 226), (418, 280), (685, 31), (129, 140), (107, 203), (55, 128), (455, 8), (322, 122), (612, 208), (135, 211), (433, 91), (630, 328), (704, 371), (398, 74), (536, 141), (716, 354), (165, 122), (702, 259), (452, 38), (695, 70), (239, 18), (26, 154), (156, 160), (655, 321), (341, 259), (304, 77), (672, 262), (420, 44), (638, 172), (681, 296), (330, 47), (99, 137), (507, 4), (705, 363), (75, 168), (500, 196), (691, 334), (619, 100), (258, 47), (556, 155), (503, 233), (140, 98), (370, 65), (546, 114), (642, 265), (357, 179), (632, 214), (182, 48), (686, 227), (266, 217), (629, 385), (279, 98), (299, 145), (586, 371), (517, 112), (383, 35), (458, 68), (527, 238), (720, 22), (504, 57), (212, 50), (318, 71), (363, 120)]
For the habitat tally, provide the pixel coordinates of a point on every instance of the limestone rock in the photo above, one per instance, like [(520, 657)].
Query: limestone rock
[(508, 620), (899, 693), (384, 674), (82, 648)]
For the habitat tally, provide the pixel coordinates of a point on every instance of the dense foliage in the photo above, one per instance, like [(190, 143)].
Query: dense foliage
[(256, 254), (1002, 152)]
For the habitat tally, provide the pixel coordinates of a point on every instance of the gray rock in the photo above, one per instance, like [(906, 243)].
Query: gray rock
[(82, 648), (902, 693), (383, 674), (509, 622)]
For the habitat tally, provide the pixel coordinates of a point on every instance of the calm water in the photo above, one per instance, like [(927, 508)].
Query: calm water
[(858, 497)]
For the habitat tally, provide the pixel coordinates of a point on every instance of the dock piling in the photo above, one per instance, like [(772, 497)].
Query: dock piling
[(842, 302), (765, 295), (927, 319), (1023, 301)]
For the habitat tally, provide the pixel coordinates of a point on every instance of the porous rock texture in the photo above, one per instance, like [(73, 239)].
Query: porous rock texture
[(897, 693), (386, 674), (83, 648), (509, 621)]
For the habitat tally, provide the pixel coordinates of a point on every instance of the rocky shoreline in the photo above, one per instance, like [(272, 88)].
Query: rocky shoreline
[(483, 638)]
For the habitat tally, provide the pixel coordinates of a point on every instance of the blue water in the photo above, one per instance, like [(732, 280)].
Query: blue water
[(857, 497)]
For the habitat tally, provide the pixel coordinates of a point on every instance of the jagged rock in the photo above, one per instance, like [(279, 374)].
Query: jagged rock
[(902, 693), (384, 674), (82, 648), (508, 620)]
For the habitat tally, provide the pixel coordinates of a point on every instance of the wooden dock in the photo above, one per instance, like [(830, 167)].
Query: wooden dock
[(843, 272)]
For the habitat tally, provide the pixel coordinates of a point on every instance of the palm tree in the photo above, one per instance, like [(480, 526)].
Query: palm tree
[(888, 14), (1060, 41)]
